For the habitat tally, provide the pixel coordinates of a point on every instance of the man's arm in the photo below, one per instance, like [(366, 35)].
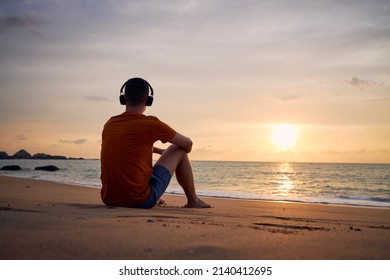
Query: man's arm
[(182, 141)]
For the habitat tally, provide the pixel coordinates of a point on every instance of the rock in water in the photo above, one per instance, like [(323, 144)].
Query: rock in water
[(11, 167), (47, 168)]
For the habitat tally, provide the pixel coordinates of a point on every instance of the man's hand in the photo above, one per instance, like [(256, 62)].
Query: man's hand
[(158, 150)]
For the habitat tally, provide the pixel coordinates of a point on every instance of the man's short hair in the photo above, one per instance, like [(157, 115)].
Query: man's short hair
[(136, 92)]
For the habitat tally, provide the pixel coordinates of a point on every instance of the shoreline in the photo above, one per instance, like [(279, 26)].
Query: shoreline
[(51, 220), (214, 197)]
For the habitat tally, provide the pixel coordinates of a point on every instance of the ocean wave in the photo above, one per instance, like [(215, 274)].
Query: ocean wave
[(308, 183)]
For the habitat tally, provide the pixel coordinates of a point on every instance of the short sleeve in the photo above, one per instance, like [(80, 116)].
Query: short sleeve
[(163, 132)]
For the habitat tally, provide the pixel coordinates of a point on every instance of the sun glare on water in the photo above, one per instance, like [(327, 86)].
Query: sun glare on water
[(284, 135)]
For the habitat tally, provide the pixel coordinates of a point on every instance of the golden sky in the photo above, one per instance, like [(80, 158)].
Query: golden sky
[(246, 80)]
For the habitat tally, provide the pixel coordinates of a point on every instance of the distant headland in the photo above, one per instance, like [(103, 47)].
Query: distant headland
[(23, 154)]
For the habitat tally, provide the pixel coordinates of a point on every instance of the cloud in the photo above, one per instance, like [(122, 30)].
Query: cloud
[(361, 84), (21, 137), (379, 100), (96, 98), (362, 151), (9, 22), (287, 98), (77, 142), (356, 82)]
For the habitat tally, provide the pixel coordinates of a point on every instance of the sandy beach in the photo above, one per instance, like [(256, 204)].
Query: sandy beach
[(47, 220)]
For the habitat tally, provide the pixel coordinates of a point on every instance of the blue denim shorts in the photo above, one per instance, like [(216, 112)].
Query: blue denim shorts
[(158, 184)]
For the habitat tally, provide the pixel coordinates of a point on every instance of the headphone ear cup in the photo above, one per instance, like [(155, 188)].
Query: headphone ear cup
[(149, 101), (122, 99)]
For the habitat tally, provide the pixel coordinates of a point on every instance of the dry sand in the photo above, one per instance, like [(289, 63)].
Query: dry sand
[(46, 220)]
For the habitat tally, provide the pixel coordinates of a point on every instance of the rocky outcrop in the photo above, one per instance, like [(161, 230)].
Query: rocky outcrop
[(4, 155), (22, 154), (46, 156), (47, 168)]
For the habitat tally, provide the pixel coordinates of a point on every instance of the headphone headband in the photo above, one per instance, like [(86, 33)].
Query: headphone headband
[(149, 100)]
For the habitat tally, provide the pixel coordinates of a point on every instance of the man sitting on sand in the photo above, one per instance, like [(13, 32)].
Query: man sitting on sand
[(128, 176)]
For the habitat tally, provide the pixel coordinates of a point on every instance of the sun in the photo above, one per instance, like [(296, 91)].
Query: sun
[(284, 135)]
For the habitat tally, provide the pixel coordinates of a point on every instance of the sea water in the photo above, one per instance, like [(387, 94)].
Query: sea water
[(325, 183)]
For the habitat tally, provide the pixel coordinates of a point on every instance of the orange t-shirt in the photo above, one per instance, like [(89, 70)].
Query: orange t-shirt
[(126, 157)]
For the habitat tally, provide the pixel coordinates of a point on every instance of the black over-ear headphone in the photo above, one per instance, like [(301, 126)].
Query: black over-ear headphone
[(149, 100)]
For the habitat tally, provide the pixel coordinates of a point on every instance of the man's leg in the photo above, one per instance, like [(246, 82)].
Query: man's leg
[(175, 159)]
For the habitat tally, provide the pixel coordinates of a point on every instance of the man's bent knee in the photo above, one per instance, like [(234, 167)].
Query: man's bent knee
[(172, 157)]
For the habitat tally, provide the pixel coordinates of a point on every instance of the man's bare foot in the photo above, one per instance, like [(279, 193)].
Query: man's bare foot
[(197, 203)]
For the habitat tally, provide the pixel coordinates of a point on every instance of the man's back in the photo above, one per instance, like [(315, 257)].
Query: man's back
[(126, 157)]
